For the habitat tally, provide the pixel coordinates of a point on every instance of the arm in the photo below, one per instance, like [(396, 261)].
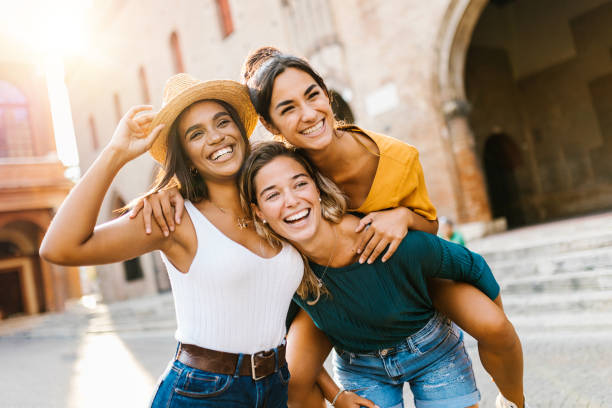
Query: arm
[(442, 259), (414, 210), (72, 238), (346, 398)]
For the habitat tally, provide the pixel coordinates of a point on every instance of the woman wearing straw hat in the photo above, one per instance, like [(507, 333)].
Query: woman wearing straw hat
[(231, 287)]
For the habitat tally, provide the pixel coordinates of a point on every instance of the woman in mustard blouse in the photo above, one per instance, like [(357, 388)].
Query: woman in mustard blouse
[(377, 173), (382, 178)]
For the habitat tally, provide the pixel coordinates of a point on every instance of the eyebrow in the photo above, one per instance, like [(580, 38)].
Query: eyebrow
[(199, 125), (288, 101), (274, 186)]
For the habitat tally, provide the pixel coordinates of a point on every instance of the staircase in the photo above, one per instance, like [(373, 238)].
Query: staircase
[(555, 276)]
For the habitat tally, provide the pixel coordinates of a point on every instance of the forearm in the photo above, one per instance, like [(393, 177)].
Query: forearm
[(421, 223), (76, 218), (328, 386)]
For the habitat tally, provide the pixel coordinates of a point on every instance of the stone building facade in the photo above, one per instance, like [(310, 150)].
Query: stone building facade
[(32, 186), (508, 101)]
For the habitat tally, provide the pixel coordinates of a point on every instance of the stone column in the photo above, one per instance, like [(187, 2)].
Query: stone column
[(473, 200)]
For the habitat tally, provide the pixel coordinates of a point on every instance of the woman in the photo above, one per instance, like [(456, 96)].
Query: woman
[(376, 172), (378, 315), (231, 298)]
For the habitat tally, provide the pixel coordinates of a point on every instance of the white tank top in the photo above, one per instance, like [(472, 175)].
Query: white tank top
[(231, 299)]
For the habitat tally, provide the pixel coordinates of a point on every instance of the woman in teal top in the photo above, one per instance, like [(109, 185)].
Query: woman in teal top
[(378, 316)]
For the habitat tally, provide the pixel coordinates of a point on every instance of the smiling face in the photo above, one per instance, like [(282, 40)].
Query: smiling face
[(300, 110), (288, 199), (212, 140)]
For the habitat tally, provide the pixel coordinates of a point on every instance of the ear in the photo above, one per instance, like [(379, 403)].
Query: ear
[(269, 126), (257, 211)]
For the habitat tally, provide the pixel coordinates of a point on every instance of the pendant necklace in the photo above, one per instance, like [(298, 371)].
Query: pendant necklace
[(329, 261), (241, 222)]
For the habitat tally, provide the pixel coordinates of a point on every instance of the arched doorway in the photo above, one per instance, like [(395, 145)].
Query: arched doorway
[(540, 70), (501, 158), (21, 281)]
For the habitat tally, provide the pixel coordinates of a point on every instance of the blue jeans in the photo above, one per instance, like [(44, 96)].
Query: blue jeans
[(184, 386), (433, 361)]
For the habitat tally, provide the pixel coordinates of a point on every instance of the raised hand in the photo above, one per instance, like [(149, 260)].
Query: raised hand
[(133, 135)]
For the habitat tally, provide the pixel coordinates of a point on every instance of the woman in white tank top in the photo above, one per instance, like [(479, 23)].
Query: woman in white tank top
[(231, 287)]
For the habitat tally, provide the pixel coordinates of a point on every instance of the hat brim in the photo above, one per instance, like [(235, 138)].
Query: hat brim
[(228, 91)]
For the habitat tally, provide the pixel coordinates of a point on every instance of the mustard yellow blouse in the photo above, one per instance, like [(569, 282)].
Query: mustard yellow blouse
[(399, 179)]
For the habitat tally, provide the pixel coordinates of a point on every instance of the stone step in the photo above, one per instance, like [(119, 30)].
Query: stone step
[(581, 233), (552, 264), (569, 282), (546, 322), (525, 249), (582, 301)]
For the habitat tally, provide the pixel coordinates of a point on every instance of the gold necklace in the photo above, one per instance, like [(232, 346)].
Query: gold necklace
[(241, 222), (329, 261)]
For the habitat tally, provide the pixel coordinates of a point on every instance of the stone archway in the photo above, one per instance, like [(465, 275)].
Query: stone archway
[(452, 43), (542, 76)]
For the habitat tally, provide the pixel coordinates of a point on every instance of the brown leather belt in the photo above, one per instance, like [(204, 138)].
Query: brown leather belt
[(258, 365)]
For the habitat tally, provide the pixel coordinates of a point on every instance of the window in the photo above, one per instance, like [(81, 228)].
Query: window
[(146, 96), (176, 53), (225, 18), (95, 142), (15, 132)]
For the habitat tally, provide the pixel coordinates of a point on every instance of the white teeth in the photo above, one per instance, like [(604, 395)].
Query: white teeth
[(298, 216), (313, 129), (221, 152)]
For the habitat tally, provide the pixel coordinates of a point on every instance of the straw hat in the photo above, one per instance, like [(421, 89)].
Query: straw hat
[(182, 90)]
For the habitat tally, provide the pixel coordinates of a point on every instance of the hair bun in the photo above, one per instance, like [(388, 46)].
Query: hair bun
[(254, 60)]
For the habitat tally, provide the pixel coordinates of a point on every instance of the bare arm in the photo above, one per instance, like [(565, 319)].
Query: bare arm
[(72, 237)]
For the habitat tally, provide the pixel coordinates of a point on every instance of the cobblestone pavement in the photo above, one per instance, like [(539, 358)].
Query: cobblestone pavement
[(112, 357), (556, 280)]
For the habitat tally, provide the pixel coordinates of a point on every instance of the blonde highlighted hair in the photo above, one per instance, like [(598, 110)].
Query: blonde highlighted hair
[(333, 201)]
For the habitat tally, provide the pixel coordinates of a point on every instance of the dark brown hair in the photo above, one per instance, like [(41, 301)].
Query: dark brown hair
[(333, 201), (261, 68)]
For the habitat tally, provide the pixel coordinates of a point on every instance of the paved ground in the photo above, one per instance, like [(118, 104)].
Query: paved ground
[(111, 355)]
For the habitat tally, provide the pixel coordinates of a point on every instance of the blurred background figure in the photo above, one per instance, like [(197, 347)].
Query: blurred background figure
[(448, 232)]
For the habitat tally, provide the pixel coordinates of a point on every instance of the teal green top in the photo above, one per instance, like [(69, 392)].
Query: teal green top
[(376, 306)]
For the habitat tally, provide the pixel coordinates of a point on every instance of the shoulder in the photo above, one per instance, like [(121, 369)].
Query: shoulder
[(419, 245), (393, 148)]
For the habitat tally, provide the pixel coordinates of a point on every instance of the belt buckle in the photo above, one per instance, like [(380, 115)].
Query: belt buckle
[(253, 373)]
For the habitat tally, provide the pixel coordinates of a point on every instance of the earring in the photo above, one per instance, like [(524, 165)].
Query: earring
[(264, 221), (319, 199)]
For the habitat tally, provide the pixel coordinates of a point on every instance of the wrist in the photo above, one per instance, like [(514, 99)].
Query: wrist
[(337, 396), (114, 157)]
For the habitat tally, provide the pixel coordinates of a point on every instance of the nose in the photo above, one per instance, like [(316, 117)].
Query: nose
[(290, 199), (214, 137), (308, 113)]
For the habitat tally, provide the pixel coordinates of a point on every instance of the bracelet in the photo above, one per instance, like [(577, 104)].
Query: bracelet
[(337, 396)]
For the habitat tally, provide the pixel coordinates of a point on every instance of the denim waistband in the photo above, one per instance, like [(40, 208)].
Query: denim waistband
[(420, 336)]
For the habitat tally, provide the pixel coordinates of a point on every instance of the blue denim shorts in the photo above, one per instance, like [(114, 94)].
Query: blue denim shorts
[(185, 386), (433, 361)]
